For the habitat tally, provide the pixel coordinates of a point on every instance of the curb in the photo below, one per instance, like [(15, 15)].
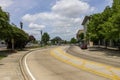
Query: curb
[(25, 76), (22, 68)]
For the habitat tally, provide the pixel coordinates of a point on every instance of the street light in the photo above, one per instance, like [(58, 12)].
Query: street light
[(41, 32), (21, 25)]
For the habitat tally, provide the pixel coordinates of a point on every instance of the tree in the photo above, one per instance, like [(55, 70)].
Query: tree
[(19, 36), (13, 36), (116, 6), (4, 22), (45, 38), (94, 27), (80, 36), (56, 40), (73, 40), (106, 24), (32, 38)]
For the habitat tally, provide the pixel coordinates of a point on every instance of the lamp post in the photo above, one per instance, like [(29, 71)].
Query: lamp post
[(21, 25)]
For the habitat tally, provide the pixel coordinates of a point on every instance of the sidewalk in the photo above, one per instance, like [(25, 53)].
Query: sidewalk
[(100, 69), (100, 54), (9, 67)]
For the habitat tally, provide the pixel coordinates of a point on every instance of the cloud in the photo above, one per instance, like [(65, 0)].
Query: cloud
[(5, 3), (64, 17), (36, 26), (109, 2), (32, 32), (71, 8)]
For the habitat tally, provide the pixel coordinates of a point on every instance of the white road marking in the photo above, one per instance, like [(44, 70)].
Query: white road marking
[(27, 68)]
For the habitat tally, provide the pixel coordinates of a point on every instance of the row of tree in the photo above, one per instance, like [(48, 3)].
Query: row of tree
[(55, 41), (11, 34), (105, 25)]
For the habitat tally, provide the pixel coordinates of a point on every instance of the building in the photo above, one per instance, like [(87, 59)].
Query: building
[(85, 23)]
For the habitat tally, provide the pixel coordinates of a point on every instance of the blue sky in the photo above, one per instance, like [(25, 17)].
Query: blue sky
[(57, 17)]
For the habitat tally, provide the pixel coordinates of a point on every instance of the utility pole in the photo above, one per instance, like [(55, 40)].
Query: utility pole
[(41, 37)]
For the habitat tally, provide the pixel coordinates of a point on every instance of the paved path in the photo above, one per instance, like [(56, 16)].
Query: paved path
[(9, 67), (109, 57), (43, 66), (107, 71)]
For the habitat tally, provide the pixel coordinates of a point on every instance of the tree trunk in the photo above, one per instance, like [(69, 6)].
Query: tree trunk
[(106, 44), (12, 41)]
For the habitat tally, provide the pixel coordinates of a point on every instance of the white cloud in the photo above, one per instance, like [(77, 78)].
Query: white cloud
[(71, 8), (32, 32), (29, 18), (64, 18), (5, 3), (36, 26), (109, 2)]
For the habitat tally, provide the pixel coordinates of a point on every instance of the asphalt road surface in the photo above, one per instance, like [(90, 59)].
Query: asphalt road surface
[(42, 66)]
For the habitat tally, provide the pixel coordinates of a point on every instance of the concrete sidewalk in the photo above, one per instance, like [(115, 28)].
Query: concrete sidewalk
[(109, 57), (100, 69), (9, 67)]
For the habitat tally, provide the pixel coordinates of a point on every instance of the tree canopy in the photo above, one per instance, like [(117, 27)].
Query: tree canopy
[(106, 24), (73, 40), (45, 38), (9, 32)]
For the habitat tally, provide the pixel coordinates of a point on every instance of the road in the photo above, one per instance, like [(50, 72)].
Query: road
[(42, 66)]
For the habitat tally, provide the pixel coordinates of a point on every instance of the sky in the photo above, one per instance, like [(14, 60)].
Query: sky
[(61, 18)]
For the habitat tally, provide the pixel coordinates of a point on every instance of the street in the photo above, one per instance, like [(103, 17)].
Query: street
[(43, 66)]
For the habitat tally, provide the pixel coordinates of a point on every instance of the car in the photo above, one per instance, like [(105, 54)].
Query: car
[(83, 46)]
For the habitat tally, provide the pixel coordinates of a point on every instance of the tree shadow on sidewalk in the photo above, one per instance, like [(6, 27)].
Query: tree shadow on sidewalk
[(107, 51)]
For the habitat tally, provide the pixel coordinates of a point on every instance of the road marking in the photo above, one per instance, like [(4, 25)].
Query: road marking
[(27, 68), (65, 57)]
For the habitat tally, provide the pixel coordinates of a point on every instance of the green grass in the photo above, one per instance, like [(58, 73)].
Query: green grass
[(4, 53), (1, 57)]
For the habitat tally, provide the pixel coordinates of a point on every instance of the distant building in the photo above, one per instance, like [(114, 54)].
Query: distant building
[(2, 43), (57, 41)]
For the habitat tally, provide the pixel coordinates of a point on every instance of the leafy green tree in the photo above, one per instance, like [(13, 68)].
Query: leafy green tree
[(81, 36), (94, 27), (73, 40), (4, 16), (45, 38), (116, 6), (4, 22), (19, 36), (106, 24), (10, 33)]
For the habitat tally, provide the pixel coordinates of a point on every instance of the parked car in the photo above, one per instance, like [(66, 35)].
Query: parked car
[(83, 46)]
